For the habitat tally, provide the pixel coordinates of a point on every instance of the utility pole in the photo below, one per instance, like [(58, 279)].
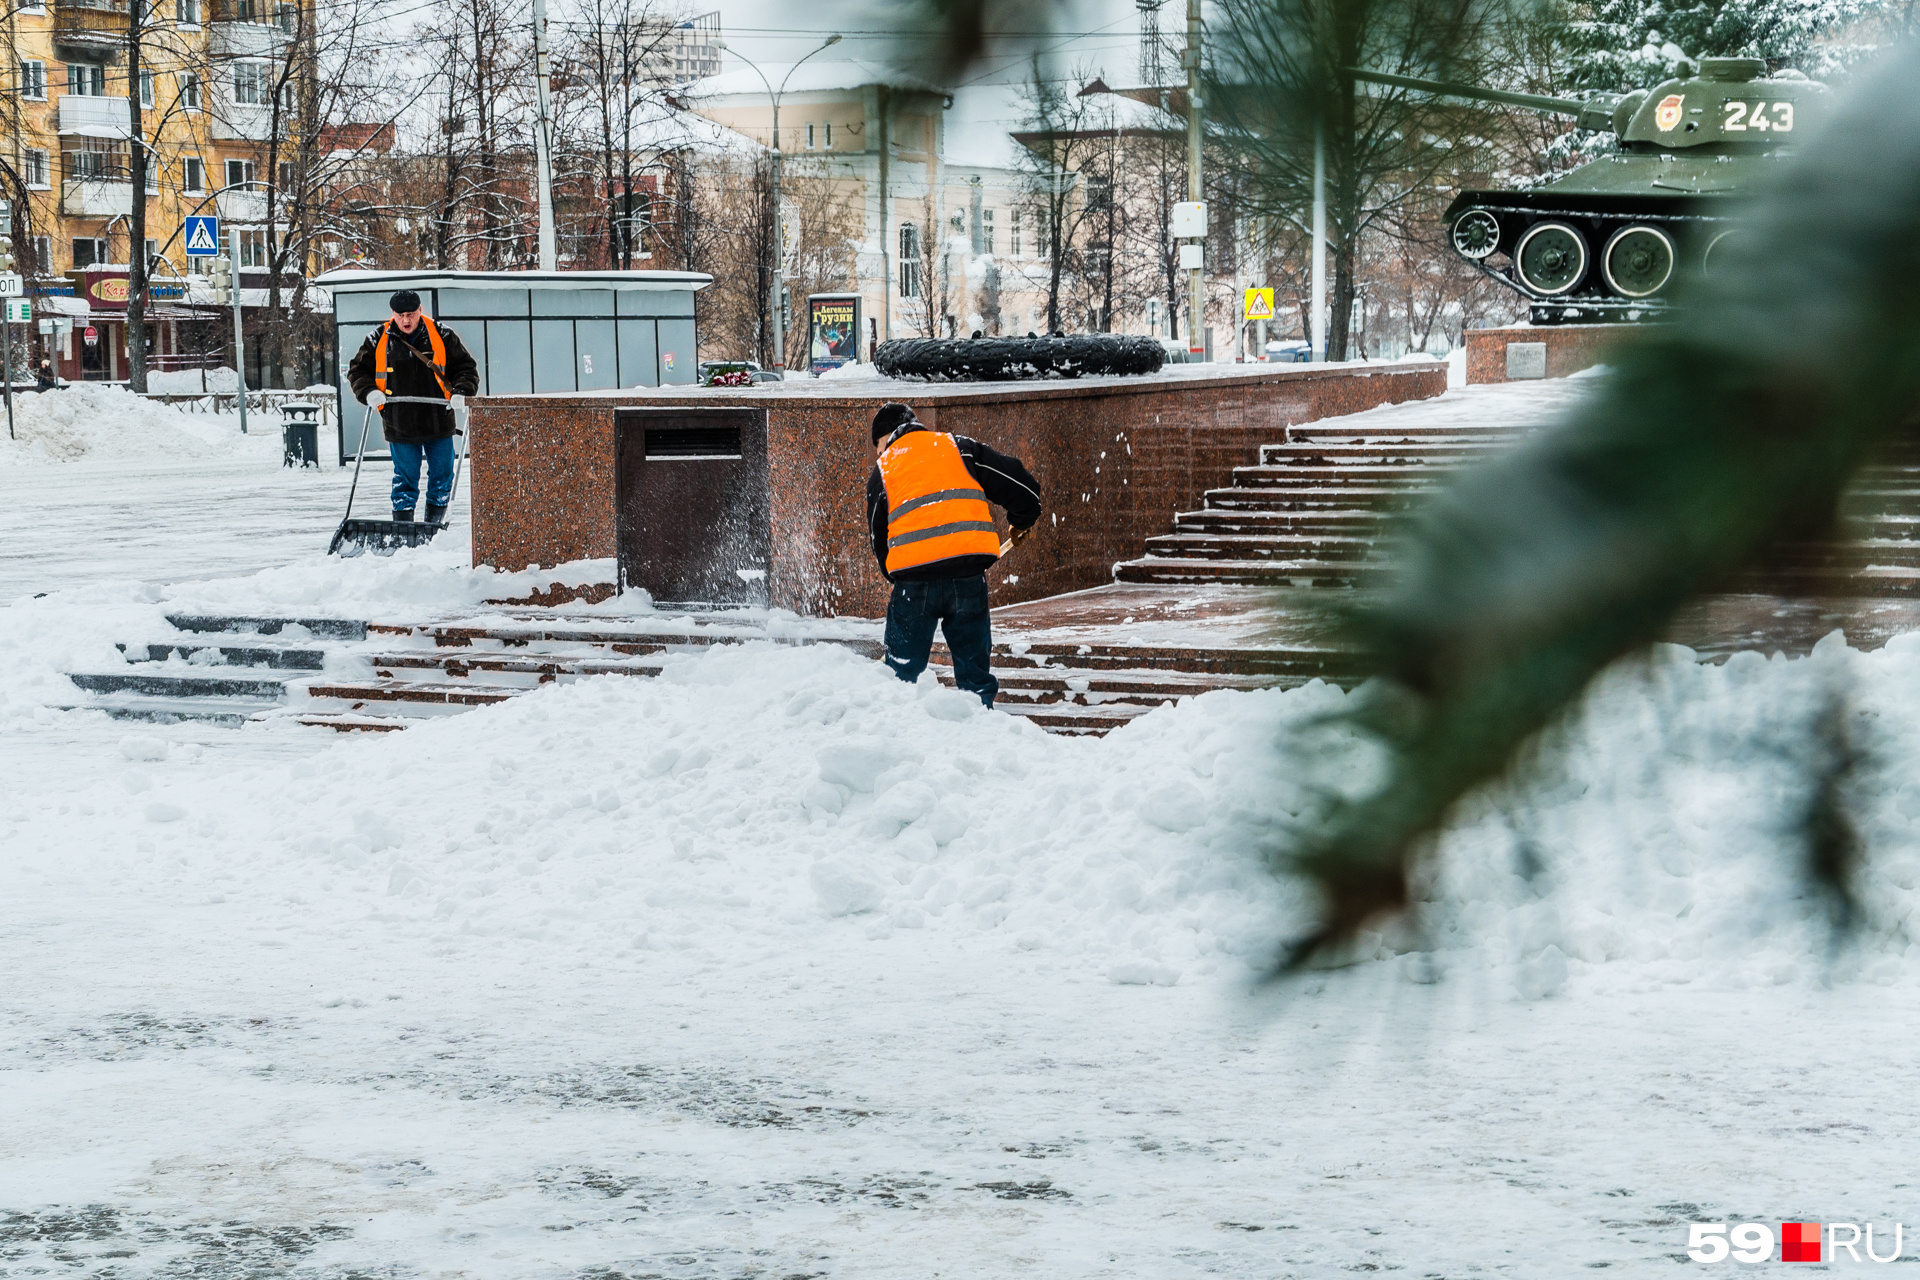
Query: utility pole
[(11, 290), (1319, 334), (543, 134), (1197, 276), (239, 335)]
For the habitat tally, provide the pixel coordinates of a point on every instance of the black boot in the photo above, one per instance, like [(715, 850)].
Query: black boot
[(436, 515), (404, 517)]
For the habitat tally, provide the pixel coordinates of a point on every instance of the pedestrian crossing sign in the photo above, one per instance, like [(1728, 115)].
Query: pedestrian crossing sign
[(1259, 304), (203, 237)]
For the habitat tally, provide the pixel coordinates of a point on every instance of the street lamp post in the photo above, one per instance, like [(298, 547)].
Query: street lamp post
[(774, 313)]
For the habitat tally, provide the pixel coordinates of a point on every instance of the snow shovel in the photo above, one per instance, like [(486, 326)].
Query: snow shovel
[(383, 537)]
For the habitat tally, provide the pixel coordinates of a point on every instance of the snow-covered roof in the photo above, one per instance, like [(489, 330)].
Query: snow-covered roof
[(815, 76), (433, 278)]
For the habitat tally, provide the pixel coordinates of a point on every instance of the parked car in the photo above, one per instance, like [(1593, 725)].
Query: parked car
[(1289, 352), (708, 368)]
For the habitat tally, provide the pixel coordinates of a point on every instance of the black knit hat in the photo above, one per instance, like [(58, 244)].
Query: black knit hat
[(404, 301), (892, 416)]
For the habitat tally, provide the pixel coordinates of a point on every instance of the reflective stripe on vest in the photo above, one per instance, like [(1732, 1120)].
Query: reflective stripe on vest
[(935, 508), (434, 340)]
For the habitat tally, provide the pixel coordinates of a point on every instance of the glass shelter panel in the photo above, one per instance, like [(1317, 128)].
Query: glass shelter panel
[(509, 357), (639, 360), (598, 367), (553, 360)]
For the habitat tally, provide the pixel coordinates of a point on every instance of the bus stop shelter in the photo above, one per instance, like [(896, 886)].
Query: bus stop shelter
[(532, 332)]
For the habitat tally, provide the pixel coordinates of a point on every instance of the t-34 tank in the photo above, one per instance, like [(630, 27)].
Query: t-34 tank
[(1607, 240)]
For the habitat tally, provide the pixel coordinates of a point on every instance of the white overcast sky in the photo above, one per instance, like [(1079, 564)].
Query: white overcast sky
[(1103, 33)]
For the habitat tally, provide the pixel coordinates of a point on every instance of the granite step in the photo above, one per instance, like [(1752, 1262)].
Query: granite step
[(1339, 429), (329, 628), (1090, 722), (1257, 546), (413, 692), (501, 666), (1341, 453), (189, 683), (1297, 573), (286, 657), (1281, 523), (1333, 477), (225, 712), (1308, 498), (352, 722)]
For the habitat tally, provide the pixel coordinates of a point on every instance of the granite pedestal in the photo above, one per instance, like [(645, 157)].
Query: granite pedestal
[(1116, 458), (1546, 351)]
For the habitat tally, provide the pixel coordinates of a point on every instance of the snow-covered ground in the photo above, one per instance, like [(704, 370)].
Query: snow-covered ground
[(775, 967)]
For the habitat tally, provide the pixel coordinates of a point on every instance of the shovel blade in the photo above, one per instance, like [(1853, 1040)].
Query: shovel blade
[(381, 537)]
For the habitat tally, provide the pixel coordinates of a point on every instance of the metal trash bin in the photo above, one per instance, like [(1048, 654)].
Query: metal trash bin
[(300, 434)]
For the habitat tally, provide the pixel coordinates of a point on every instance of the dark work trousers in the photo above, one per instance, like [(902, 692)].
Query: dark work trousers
[(438, 455), (959, 606)]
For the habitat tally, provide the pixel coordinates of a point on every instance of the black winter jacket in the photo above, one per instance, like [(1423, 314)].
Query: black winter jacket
[(1003, 478), (408, 376)]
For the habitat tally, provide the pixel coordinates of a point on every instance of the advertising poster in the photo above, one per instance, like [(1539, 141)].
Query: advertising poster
[(833, 330)]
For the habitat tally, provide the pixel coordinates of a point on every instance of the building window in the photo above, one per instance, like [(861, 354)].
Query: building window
[(189, 91), (909, 260), (243, 10), (89, 251), (810, 143), (146, 89), (829, 134), (153, 253), (240, 174), (34, 169), (33, 79), (253, 249), (86, 79), (186, 12), (288, 177), (42, 250), (288, 16), (1013, 235), (249, 83), (193, 174), (986, 231)]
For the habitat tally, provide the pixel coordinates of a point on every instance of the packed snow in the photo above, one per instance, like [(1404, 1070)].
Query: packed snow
[(96, 421), (772, 966)]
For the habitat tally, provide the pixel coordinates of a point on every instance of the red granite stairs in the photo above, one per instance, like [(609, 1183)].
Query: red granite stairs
[(1313, 511)]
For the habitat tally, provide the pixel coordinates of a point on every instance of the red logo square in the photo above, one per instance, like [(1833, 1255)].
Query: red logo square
[(1799, 1242)]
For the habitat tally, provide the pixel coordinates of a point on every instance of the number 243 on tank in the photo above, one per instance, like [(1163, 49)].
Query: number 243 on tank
[(1757, 117)]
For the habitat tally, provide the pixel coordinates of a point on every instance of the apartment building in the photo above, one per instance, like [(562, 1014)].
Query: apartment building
[(206, 90)]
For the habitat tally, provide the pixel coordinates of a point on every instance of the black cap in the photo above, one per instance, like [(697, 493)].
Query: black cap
[(404, 301), (892, 416)]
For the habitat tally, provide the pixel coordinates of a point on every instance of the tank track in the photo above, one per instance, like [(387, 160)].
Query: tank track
[(1691, 224)]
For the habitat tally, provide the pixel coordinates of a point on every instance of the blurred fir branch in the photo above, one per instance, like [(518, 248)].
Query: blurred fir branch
[(1715, 439)]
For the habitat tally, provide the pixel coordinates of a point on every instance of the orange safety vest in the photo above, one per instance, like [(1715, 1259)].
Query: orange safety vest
[(936, 510), (434, 340)]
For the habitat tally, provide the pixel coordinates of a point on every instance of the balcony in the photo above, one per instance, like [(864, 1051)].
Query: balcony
[(241, 207), (246, 39), (94, 30), (96, 198), (241, 122), (85, 116)]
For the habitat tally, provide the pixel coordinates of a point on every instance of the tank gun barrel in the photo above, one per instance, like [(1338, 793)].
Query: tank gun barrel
[(1593, 113)]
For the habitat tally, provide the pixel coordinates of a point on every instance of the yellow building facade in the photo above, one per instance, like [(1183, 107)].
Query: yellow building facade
[(206, 90)]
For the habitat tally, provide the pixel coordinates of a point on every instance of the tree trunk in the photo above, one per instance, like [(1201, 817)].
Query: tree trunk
[(1341, 306)]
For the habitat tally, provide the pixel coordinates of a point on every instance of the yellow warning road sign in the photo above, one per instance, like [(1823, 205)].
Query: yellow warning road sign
[(1259, 304)]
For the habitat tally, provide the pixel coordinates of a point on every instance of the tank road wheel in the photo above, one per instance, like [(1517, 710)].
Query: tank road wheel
[(1476, 234), (1551, 258), (1638, 261), (1717, 252)]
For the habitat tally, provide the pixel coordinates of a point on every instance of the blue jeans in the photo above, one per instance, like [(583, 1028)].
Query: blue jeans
[(406, 472), (959, 607)]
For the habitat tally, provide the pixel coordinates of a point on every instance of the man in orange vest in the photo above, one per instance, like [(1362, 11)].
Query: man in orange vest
[(934, 536), (410, 355)]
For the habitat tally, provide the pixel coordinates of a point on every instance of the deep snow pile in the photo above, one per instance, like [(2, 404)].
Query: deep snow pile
[(91, 420), (760, 800)]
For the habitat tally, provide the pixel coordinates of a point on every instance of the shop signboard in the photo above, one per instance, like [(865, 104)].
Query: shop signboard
[(833, 330)]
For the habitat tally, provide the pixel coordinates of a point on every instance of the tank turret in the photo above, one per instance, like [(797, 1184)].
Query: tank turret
[(1607, 240)]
